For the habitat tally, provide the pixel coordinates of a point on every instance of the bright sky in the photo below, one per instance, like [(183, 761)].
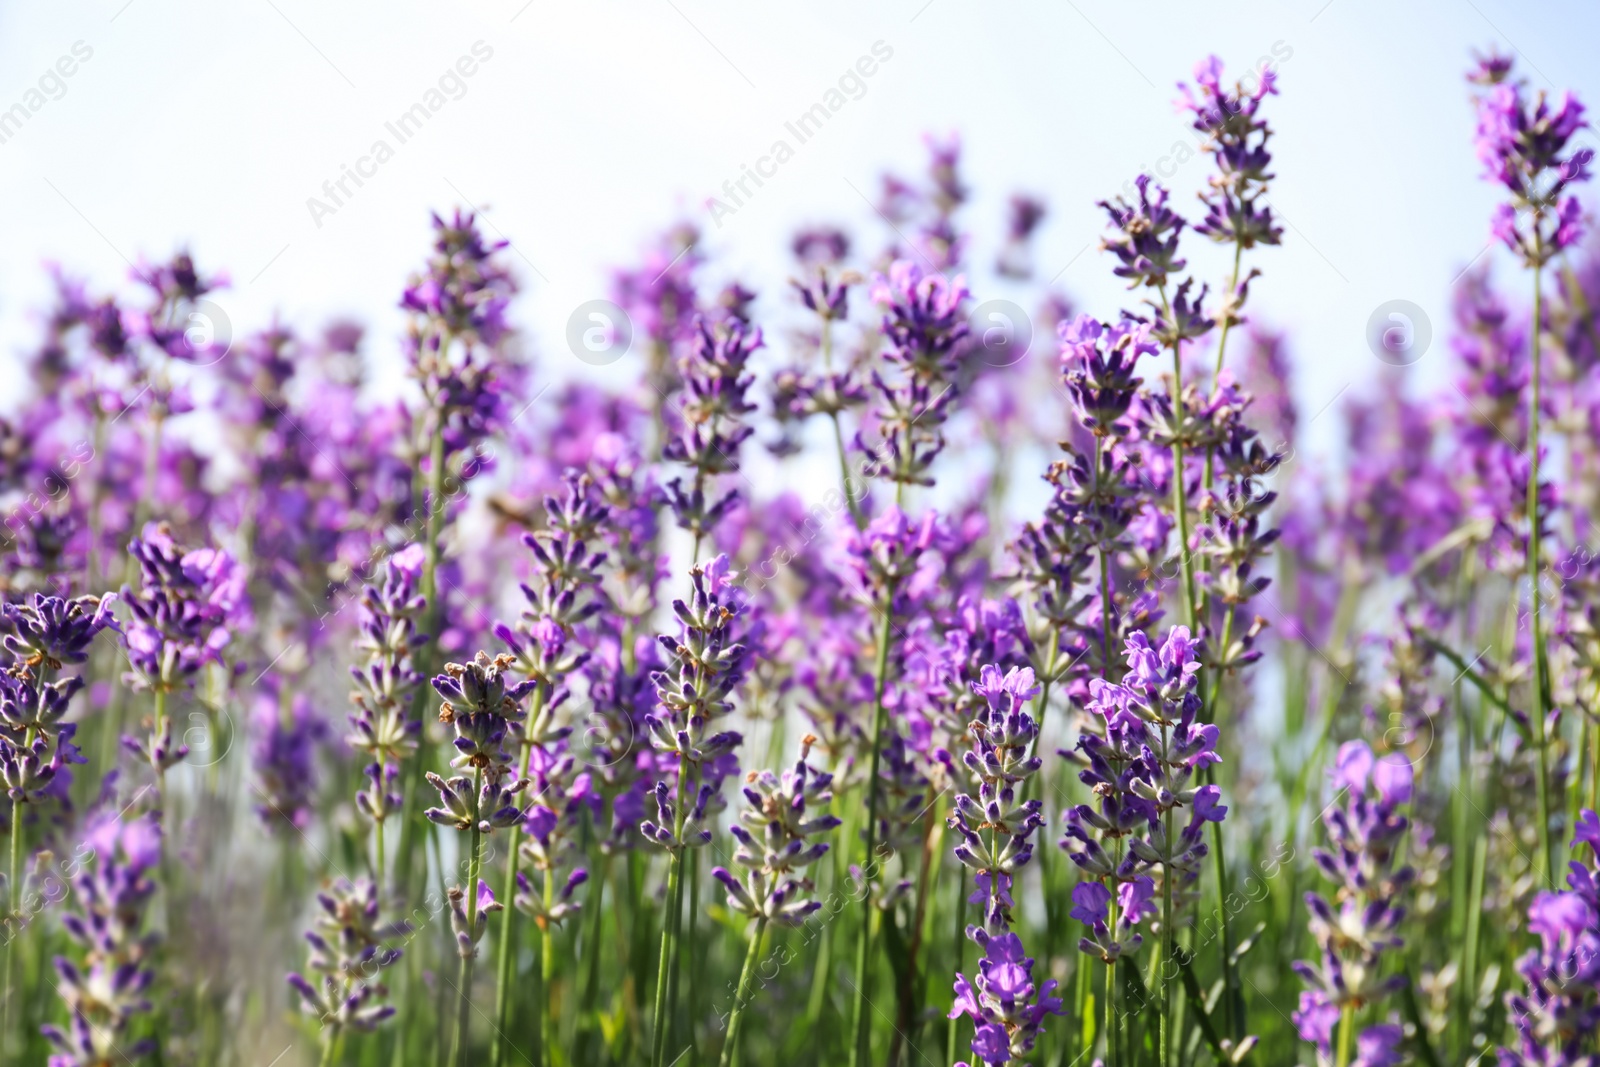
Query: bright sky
[(587, 127)]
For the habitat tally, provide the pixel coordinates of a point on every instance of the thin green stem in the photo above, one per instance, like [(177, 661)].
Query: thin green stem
[(14, 912), (1166, 935), (957, 943), (1180, 501), (1227, 321), (1536, 720), (591, 985), (458, 1047), (856, 514), (730, 1047), (1347, 1033), (328, 1043), (669, 925), (860, 1046), (547, 962), (506, 951)]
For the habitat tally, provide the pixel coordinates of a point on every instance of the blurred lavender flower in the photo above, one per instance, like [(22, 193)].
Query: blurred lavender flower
[(284, 756), (1365, 832), (1024, 213), (1522, 149), (1557, 1019), (923, 324), (350, 946), (109, 988)]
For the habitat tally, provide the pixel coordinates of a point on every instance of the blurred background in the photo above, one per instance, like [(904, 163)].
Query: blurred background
[(585, 129)]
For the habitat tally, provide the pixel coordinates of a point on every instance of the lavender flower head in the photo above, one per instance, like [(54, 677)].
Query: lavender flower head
[(1140, 763), (712, 411), (778, 839), (1237, 140), (710, 666), (109, 988), (1146, 238), (382, 725), (924, 323), (1557, 1019), (1005, 1004), (997, 827), (1524, 148), (350, 946), (1365, 834), (483, 707), (187, 608), (43, 634)]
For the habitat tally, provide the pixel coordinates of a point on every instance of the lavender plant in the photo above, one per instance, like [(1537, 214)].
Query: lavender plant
[(934, 686)]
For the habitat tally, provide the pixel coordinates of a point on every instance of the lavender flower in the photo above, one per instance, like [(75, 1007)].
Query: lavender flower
[(1365, 832), (716, 381), (484, 708), (1237, 141), (185, 612), (284, 755), (382, 725), (109, 988), (1141, 761), (1558, 1017), (1146, 238), (710, 666), (1006, 1006), (923, 326), (350, 947), (1523, 149), (1000, 760), (43, 634), (777, 836), (470, 928)]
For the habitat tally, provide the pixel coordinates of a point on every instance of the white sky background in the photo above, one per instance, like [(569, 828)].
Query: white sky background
[(594, 124)]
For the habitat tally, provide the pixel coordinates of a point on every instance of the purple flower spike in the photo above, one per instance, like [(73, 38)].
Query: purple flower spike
[(1524, 147), (1006, 1007)]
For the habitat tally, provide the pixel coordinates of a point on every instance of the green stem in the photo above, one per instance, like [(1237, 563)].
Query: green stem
[(730, 1047), (328, 1055), (957, 943), (1227, 322), (1347, 1033), (14, 912), (1180, 502), (669, 925), (506, 951), (1164, 1036), (547, 962), (1542, 773), (458, 1047), (860, 1047)]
